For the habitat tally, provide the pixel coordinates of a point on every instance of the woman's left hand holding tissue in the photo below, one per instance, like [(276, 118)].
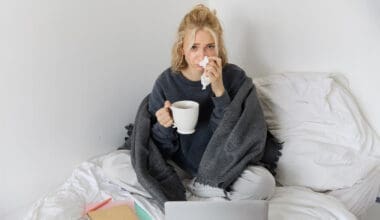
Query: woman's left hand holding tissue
[(213, 70)]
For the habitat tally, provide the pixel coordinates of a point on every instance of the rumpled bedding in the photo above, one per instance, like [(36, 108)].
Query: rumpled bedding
[(328, 147), (328, 144), (94, 181), (302, 203), (112, 175)]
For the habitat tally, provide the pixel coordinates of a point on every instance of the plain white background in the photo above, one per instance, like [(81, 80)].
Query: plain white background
[(72, 73)]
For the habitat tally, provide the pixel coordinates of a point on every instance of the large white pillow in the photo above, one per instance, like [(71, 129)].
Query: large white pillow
[(327, 142)]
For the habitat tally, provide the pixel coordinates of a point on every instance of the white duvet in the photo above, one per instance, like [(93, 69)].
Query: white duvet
[(110, 176), (328, 144), (328, 147), (94, 181)]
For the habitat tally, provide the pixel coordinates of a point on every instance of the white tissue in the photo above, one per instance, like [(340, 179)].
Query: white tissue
[(204, 79)]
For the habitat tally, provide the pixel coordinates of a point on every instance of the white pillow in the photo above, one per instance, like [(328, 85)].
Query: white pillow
[(327, 142)]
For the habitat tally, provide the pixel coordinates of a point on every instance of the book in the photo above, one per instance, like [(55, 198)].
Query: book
[(120, 212)]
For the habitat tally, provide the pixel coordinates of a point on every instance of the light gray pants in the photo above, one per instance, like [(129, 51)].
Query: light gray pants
[(255, 183)]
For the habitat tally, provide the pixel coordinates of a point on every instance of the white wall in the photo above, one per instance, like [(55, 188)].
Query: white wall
[(340, 36), (73, 72), (71, 76)]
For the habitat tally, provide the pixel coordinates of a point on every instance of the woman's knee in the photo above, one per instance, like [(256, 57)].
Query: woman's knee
[(255, 182)]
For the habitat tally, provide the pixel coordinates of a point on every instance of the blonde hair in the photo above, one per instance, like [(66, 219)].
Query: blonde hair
[(199, 18)]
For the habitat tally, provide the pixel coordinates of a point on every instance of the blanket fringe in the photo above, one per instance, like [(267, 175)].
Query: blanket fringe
[(126, 145), (272, 153)]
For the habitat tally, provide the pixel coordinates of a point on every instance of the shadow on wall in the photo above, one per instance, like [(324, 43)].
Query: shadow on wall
[(373, 7), (248, 52)]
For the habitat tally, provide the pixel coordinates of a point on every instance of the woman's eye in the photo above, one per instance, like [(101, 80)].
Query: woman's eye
[(193, 47), (211, 46)]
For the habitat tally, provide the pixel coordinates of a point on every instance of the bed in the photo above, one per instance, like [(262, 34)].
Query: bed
[(330, 167)]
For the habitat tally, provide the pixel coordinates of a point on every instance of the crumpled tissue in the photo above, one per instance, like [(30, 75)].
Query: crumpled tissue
[(204, 79)]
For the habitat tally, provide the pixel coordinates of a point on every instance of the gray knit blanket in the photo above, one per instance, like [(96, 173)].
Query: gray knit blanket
[(241, 139)]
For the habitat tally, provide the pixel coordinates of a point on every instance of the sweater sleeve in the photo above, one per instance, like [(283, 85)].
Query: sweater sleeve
[(165, 138), (220, 103)]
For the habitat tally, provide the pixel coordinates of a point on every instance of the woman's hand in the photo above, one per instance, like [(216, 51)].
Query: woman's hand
[(213, 70), (164, 115)]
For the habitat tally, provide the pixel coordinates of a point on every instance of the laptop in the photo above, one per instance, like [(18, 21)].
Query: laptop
[(221, 210)]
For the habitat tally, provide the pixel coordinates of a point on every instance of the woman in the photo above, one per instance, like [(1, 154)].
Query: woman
[(200, 35)]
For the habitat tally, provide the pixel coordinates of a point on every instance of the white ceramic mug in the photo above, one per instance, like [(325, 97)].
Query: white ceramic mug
[(185, 116)]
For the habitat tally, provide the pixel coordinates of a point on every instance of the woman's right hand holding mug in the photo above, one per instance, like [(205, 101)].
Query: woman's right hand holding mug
[(164, 115)]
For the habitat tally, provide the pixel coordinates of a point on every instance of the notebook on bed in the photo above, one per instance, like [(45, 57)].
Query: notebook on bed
[(221, 210)]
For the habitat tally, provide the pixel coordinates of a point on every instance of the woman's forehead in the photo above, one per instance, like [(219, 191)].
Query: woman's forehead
[(203, 36), (199, 36)]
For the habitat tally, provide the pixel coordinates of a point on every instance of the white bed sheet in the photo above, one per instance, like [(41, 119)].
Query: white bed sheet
[(88, 184), (95, 180), (302, 203)]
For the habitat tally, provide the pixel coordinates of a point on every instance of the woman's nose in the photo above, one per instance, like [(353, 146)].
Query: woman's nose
[(202, 52)]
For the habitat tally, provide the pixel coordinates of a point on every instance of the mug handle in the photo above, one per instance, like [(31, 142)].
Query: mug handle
[(174, 125)]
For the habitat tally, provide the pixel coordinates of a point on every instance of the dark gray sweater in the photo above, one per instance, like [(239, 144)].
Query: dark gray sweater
[(187, 150)]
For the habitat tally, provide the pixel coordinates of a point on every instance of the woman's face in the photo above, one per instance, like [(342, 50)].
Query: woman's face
[(203, 45)]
